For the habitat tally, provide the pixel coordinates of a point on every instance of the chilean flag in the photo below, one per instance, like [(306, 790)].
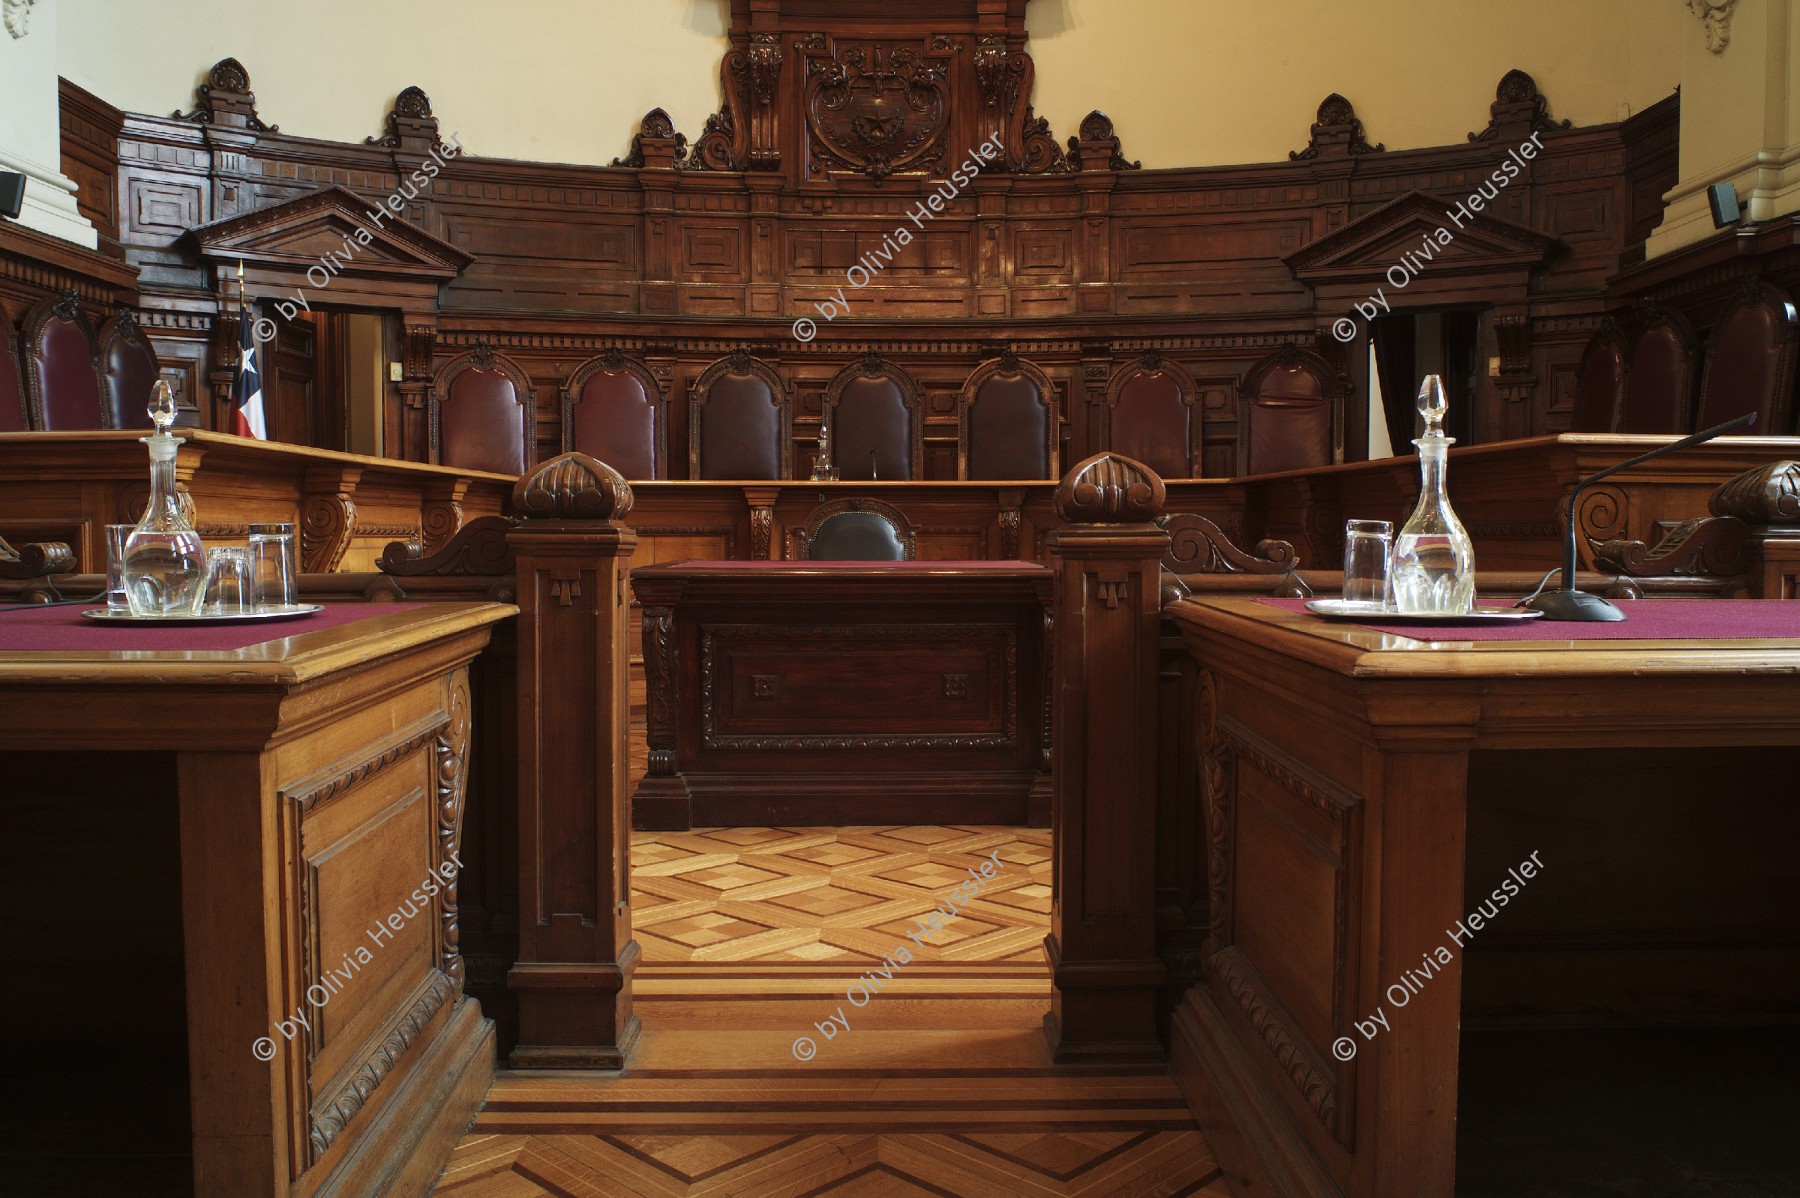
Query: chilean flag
[(246, 391)]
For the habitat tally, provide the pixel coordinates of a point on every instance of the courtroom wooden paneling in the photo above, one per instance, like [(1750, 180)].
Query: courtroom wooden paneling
[(787, 693), (1068, 255), (315, 779), (347, 508), (1362, 790)]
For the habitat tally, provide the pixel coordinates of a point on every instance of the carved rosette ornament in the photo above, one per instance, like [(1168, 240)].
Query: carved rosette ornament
[(225, 99), (1519, 106), (573, 486), (877, 107), (1715, 19), (1110, 488), (1336, 132), (1764, 496)]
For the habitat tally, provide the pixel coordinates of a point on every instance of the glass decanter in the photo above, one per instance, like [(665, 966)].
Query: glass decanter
[(165, 563), (1434, 561)]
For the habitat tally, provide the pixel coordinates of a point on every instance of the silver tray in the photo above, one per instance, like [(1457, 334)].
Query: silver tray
[(1341, 609), (294, 611)]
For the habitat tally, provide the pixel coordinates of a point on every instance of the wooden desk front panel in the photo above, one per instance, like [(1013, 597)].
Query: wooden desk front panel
[(904, 699)]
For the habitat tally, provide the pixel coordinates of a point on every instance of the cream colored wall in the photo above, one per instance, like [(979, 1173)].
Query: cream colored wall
[(546, 80), (1203, 82), (1188, 82)]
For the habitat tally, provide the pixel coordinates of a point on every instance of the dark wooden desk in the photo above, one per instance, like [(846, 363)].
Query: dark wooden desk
[(839, 693), (1354, 780), (275, 802)]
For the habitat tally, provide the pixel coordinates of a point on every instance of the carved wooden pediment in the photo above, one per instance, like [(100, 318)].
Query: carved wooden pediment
[(1415, 231), (301, 232)]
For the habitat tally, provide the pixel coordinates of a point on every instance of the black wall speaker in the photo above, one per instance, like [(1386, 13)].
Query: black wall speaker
[(12, 194), (1724, 201)]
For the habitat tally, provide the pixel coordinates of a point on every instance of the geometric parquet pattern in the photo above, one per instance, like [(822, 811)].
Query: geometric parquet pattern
[(836, 894), (941, 1085)]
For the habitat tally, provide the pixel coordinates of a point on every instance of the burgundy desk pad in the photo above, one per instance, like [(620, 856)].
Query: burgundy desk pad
[(63, 629), (1645, 620), (898, 566)]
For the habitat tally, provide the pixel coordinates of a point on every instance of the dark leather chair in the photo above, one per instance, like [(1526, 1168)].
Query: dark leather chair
[(741, 425), (482, 415), (1293, 413), (1600, 382), (128, 369), (876, 417), (1750, 362), (1150, 416), (855, 530), (1006, 422), (62, 383), (1659, 383), (613, 410), (14, 417)]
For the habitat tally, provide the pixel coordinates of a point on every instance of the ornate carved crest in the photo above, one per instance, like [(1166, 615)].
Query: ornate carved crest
[(226, 99), (573, 486), (872, 365), (1097, 139), (1110, 488), (1336, 132), (656, 126), (67, 305), (482, 355), (1001, 74), (738, 361), (613, 358), (876, 107), (1518, 103), (411, 108)]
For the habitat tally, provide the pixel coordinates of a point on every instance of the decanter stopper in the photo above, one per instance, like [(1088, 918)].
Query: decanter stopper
[(162, 407), (1432, 405)]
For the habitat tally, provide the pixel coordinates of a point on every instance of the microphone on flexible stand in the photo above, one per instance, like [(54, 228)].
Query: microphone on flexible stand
[(1567, 603)]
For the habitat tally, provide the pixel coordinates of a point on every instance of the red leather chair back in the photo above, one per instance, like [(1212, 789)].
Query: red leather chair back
[(62, 384), (13, 416), (614, 411), (740, 426), (1008, 420), (481, 414), (1291, 408), (1750, 363), (1600, 383), (874, 406), (128, 369), (1151, 413), (1659, 384)]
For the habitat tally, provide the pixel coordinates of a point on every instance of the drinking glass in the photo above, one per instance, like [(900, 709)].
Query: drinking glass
[(272, 565), (116, 536), (1366, 555), (230, 590)]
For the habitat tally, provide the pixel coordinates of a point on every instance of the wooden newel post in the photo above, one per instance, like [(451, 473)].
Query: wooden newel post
[(576, 952), (1102, 941)]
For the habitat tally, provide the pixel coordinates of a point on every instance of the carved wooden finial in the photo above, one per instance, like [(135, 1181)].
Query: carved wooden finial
[(1766, 495), (225, 99), (573, 486), (409, 120), (1336, 132), (1110, 488), (1519, 107)]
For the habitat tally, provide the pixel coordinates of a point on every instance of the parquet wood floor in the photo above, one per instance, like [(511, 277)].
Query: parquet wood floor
[(941, 1084)]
